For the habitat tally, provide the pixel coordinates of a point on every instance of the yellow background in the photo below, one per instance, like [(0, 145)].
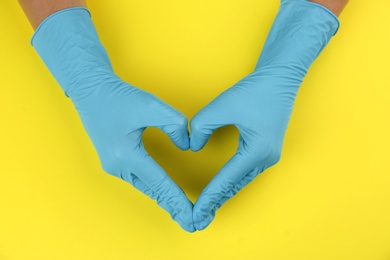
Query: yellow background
[(328, 198)]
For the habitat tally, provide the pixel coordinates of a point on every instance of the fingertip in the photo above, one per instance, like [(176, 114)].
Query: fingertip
[(194, 146), (197, 142), (202, 221), (175, 202), (202, 127), (190, 228), (203, 212), (182, 143), (183, 215), (179, 136), (185, 222)]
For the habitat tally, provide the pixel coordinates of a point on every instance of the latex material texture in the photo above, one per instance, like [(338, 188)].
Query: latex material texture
[(113, 112), (260, 105)]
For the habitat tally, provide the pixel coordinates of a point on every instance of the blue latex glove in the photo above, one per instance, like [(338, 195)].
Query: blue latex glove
[(260, 105), (114, 113)]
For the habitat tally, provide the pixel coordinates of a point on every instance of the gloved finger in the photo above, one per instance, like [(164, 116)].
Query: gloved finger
[(148, 177), (263, 158), (211, 117), (236, 188), (241, 169), (171, 122)]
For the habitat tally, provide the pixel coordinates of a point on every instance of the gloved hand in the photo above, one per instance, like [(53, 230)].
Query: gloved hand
[(114, 113), (260, 105)]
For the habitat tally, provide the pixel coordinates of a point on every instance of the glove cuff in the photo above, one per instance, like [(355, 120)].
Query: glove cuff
[(68, 44), (298, 35), (330, 15)]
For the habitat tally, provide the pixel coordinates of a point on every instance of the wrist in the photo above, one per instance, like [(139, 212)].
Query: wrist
[(300, 31), (335, 6), (69, 45), (37, 11)]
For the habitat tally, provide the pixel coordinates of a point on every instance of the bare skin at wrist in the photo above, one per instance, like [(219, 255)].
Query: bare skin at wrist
[(335, 6), (37, 10)]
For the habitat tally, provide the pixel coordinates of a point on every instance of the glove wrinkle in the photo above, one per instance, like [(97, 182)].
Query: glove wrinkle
[(113, 112), (260, 104)]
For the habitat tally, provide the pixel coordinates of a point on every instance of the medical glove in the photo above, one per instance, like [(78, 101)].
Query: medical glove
[(113, 112), (260, 105)]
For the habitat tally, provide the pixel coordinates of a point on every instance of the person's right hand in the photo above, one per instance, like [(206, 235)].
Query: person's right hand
[(114, 113)]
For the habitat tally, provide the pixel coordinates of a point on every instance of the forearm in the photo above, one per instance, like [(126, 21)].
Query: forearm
[(336, 6), (37, 10)]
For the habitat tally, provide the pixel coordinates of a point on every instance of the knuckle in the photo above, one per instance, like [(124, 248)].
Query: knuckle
[(110, 166), (275, 158), (269, 152), (182, 121), (114, 163), (195, 125)]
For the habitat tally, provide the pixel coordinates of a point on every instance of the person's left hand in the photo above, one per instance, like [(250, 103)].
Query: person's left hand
[(260, 108), (260, 105)]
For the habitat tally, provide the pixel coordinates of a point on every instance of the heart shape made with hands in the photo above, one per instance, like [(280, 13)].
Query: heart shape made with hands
[(204, 164), (115, 114), (261, 121)]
